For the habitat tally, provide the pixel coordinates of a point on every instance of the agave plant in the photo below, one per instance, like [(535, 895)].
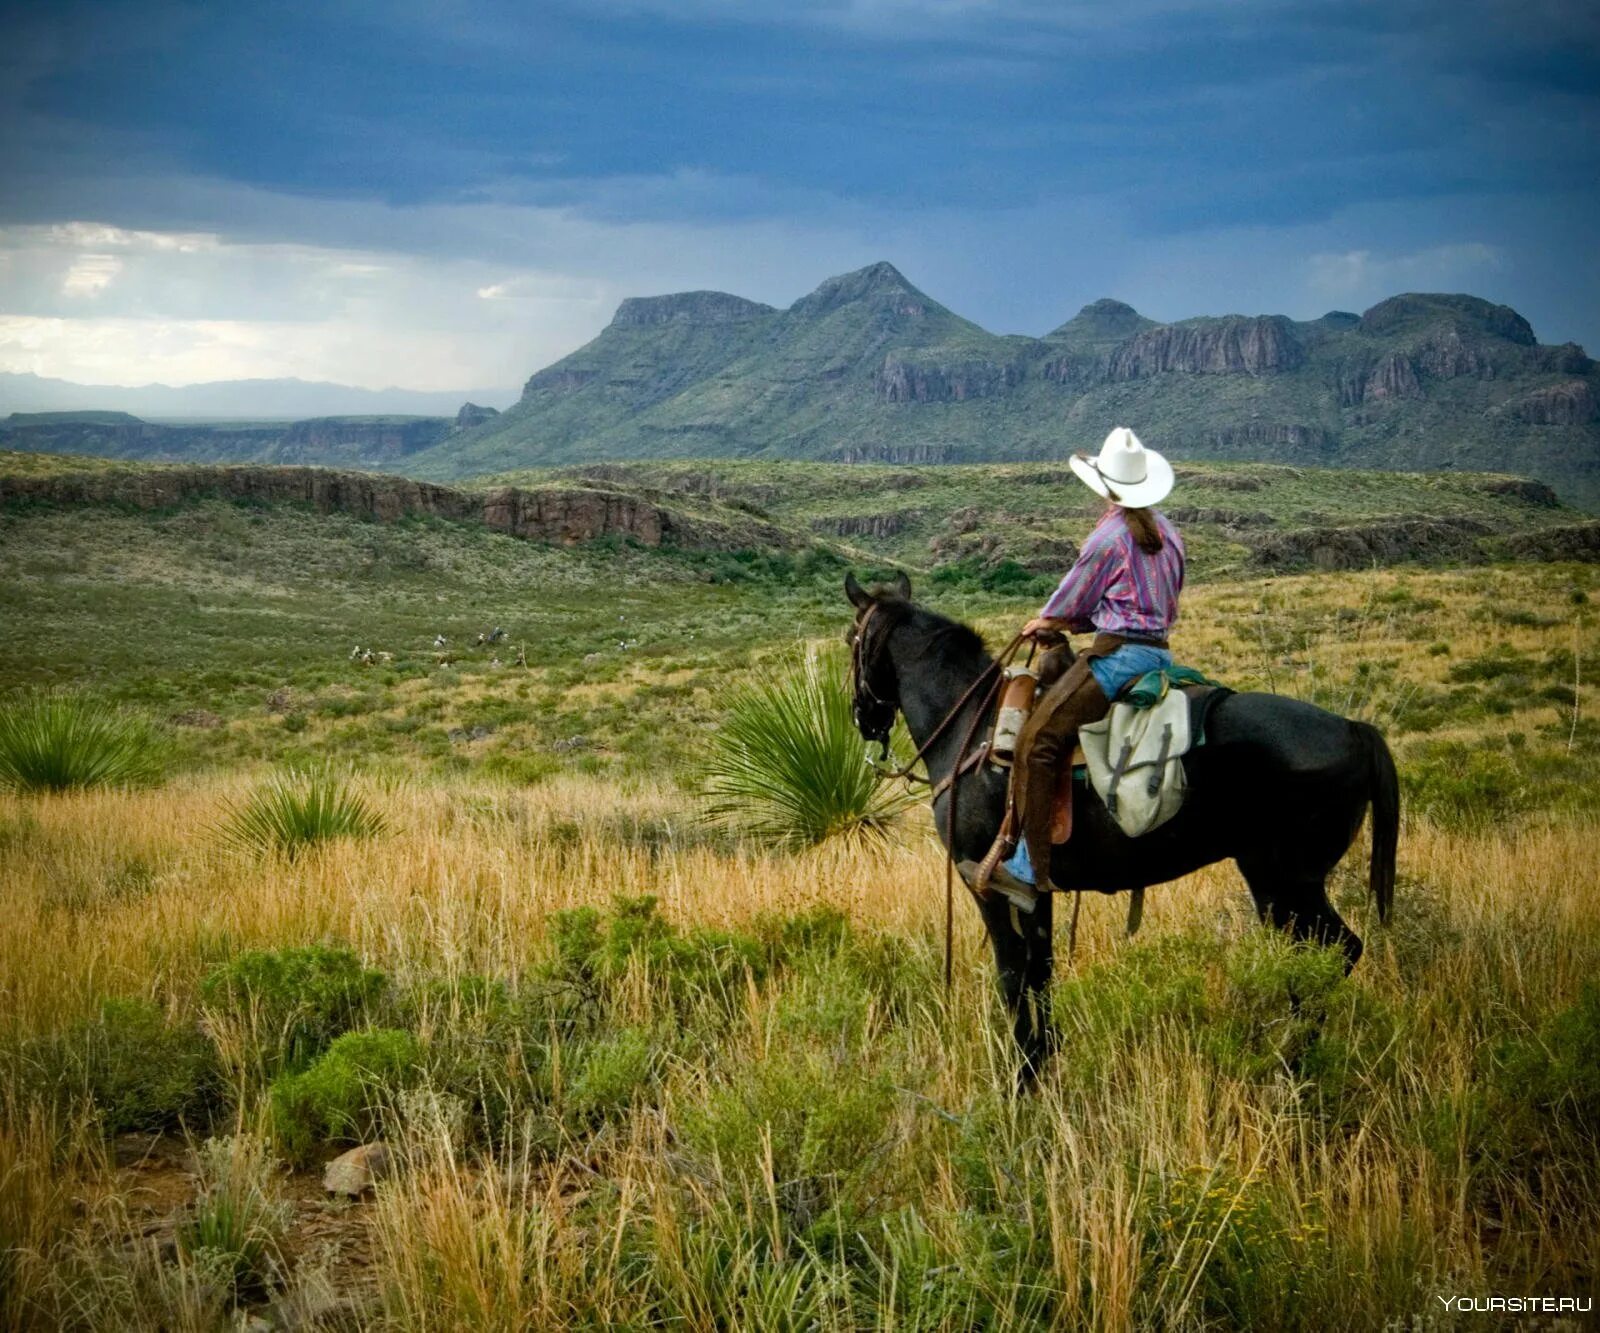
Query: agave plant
[(297, 810), (57, 742), (788, 765)]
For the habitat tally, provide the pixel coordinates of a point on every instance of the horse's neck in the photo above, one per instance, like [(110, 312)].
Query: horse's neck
[(929, 691)]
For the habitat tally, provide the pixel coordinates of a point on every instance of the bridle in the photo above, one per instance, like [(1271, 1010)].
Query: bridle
[(991, 680)]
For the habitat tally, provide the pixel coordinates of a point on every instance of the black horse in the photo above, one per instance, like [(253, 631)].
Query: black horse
[(1279, 785)]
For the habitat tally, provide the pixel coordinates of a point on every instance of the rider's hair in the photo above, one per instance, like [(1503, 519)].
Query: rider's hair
[(1146, 531)]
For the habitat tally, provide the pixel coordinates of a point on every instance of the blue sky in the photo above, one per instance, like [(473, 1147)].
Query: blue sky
[(442, 194)]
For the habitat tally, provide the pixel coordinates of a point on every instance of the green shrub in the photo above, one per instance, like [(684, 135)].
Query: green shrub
[(787, 763), (1458, 787), (1222, 1241), (58, 742), (818, 1121), (339, 1097), (611, 1073), (145, 1073), (296, 811), (1556, 1073), (294, 1001), (592, 953)]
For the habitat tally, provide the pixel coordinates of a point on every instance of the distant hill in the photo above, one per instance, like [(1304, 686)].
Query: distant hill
[(1008, 528), (350, 441), (279, 399), (869, 369)]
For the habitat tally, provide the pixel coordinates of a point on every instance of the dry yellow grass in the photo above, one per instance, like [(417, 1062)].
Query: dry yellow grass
[(1358, 1218)]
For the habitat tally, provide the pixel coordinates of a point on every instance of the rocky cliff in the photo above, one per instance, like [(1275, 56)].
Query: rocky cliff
[(1230, 346), (566, 515)]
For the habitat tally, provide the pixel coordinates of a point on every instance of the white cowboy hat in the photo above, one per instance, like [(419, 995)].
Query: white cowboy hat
[(1125, 472)]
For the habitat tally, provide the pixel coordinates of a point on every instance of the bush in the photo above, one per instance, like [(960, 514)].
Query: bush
[(593, 953), (294, 1001), (57, 742), (239, 1219), (788, 766), (1557, 1073), (147, 1074), (610, 1076), (1457, 787), (338, 1099), (297, 811)]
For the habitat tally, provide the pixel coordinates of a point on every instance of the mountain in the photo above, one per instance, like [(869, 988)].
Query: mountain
[(280, 399), (867, 368)]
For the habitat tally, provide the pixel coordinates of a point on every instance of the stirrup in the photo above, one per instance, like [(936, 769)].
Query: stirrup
[(1024, 897)]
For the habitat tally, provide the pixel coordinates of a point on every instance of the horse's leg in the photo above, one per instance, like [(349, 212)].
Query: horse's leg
[(1296, 899), (1023, 954)]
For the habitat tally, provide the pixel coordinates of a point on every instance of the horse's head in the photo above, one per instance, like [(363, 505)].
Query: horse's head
[(875, 690)]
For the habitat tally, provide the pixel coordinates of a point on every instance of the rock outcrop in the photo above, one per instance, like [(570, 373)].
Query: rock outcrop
[(1361, 546), (641, 312), (471, 414), (369, 439), (1394, 377), (866, 525), (904, 380), (902, 454), (1233, 345), (1251, 438), (1423, 310), (1569, 541), (1571, 404), (562, 514)]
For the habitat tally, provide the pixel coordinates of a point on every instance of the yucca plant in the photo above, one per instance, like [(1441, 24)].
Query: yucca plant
[(58, 742), (298, 810), (789, 766)]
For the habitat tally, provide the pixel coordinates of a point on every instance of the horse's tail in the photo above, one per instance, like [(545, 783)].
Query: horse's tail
[(1384, 792)]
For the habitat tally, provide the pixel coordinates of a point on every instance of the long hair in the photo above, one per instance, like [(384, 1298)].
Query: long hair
[(1146, 531)]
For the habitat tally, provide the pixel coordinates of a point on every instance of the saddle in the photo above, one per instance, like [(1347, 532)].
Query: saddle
[(1132, 759)]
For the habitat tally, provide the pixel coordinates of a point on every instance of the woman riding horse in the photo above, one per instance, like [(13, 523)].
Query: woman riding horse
[(1125, 588), (1281, 787)]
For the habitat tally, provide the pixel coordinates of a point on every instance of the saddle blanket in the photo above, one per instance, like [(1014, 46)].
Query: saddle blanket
[(1134, 756)]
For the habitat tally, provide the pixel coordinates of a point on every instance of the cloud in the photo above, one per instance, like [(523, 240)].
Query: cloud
[(1360, 276), (90, 274)]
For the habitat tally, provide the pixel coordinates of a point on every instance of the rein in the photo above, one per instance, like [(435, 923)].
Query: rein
[(992, 676)]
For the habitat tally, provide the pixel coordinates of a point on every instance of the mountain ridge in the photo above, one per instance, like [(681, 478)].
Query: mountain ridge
[(867, 367)]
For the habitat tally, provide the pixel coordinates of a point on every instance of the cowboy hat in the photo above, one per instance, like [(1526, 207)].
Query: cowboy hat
[(1125, 472)]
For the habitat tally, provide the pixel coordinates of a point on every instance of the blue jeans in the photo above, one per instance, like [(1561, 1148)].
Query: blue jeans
[(1129, 662)]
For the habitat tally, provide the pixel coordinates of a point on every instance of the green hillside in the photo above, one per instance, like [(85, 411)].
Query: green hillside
[(869, 369), (991, 523)]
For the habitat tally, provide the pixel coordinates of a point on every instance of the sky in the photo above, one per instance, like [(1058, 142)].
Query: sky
[(436, 193)]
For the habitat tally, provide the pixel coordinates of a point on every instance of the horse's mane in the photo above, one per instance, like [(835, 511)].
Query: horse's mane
[(946, 638)]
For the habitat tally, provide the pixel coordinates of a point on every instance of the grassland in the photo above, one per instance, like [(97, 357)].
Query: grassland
[(752, 1105)]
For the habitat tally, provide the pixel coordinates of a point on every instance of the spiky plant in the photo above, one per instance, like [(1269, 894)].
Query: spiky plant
[(58, 742), (297, 810), (789, 766)]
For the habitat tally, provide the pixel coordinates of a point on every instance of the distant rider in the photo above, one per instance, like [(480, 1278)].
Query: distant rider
[(1125, 588)]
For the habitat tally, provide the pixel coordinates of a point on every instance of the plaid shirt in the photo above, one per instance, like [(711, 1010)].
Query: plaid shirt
[(1116, 588)]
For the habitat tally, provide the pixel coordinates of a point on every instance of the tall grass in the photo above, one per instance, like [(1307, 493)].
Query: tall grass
[(812, 1138), (58, 742), (293, 812), (789, 766)]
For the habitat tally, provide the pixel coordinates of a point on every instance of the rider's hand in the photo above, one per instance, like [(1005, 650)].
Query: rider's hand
[(1042, 625)]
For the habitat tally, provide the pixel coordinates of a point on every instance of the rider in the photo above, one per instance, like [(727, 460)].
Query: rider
[(1125, 588)]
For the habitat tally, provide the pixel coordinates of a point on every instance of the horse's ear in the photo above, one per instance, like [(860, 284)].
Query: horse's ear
[(902, 585), (858, 595)]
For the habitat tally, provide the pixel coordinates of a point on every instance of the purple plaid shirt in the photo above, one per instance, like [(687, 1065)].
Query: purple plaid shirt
[(1116, 588)]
